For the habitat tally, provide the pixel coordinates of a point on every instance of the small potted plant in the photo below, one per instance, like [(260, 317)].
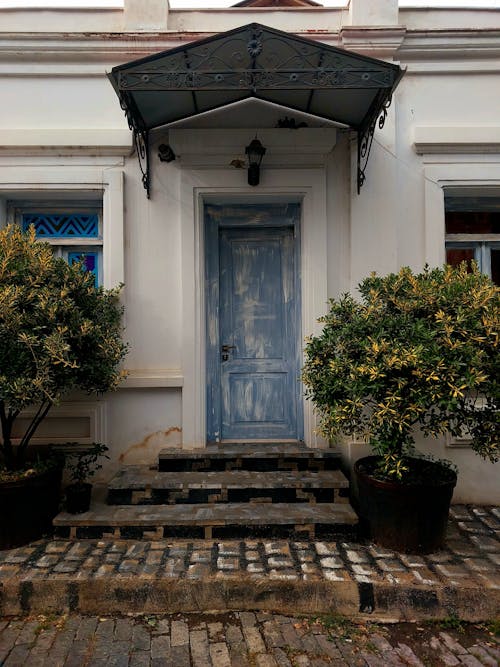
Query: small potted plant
[(417, 351), (58, 333), (82, 464)]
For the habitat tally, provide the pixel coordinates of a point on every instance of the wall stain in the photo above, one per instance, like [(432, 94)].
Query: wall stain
[(150, 445)]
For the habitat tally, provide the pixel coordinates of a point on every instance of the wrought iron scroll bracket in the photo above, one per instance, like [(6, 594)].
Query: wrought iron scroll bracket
[(141, 144), (141, 141), (365, 140)]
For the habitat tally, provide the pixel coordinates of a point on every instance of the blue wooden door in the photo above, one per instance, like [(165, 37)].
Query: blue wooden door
[(257, 356)]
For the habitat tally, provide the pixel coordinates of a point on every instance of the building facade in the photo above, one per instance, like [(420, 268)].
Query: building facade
[(68, 164)]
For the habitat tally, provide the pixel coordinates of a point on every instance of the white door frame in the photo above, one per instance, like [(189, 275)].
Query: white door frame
[(223, 185)]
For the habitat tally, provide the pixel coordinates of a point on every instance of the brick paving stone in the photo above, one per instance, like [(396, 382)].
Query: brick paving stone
[(201, 556), (28, 633), (290, 637), (272, 634), (350, 656), (18, 657), (228, 563), (281, 658), (336, 575), (77, 654), (173, 568), (57, 547), (228, 548), (277, 549), (179, 633), (409, 656), (48, 560), (140, 659), (214, 631), (470, 661), (486, 543), (255, 568), (310, 570), (233, 634), (330, 649), (495, 653), (331, 562), (326, 548), (247, 618), (283, 574), (198, 571), (179, 656), (445, 656), (483, 656), (200, 653), (162, 627), (141, 641), (219, 655), (123, 629), (253, 640), (160, 647), (373, 660)]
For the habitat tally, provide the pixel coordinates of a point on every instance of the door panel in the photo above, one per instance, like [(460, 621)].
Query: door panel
[(257, 323)]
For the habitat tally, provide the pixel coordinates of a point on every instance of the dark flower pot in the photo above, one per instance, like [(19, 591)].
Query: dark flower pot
[(78, 498), (28, 507), (411, 518)]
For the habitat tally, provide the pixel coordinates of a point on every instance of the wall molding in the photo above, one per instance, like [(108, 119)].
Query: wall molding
[(452, 140), (158, 378)]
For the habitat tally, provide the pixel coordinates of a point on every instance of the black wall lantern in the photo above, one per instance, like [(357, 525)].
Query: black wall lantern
[(255, 152)]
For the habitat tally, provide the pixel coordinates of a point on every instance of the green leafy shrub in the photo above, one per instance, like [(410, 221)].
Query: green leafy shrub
[(58, 332), (416, 350), (82, 463)]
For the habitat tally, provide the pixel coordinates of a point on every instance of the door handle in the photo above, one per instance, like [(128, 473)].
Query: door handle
[(226, 348)]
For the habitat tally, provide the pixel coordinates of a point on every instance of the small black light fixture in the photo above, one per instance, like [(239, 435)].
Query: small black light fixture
[(255, 151), (165, 153)]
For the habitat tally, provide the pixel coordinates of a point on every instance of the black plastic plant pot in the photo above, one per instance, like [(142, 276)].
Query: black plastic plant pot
[(28, 507), (410, 518), (78, 498)]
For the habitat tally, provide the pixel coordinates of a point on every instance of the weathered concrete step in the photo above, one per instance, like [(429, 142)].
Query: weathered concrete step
[(156, 522), (138, 485), (248, 456)]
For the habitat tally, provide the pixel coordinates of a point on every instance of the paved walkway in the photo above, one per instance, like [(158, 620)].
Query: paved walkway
[(118, 576), (241, 639)]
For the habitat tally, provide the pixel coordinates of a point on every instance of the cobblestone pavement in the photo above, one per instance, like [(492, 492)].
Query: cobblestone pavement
[(471, 558), (242, 639), (290, 577)]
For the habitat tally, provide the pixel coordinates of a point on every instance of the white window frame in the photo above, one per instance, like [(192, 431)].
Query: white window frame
[(77, 183), (64, 245)]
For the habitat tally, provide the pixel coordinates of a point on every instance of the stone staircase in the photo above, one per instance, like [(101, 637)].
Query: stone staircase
[(236, 490)]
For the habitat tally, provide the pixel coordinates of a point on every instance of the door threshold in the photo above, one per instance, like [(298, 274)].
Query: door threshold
[(261, 441)]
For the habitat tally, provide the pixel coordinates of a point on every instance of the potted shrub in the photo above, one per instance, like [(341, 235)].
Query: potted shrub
[(417, 351), (82, 463), (58, 332)]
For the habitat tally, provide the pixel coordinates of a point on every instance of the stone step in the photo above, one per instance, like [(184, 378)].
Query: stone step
[(139, 485), (161, 521), (248, 456)]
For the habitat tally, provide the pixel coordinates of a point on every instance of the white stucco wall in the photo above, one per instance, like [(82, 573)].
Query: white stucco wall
[(62, 133)]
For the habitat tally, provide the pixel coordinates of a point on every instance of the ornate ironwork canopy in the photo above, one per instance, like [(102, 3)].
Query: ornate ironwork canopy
[(260, 62)]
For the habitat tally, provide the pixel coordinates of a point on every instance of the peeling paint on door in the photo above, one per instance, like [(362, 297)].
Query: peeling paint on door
[(253, 329)]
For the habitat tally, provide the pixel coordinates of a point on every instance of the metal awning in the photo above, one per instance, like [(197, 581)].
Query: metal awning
[(259, 62)]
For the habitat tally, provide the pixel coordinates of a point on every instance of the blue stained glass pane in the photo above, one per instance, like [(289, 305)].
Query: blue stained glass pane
[(89, 261), (63, 225)]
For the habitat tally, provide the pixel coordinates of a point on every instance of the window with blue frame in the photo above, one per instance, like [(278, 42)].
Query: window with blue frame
[(75, 232), (473, 233)]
